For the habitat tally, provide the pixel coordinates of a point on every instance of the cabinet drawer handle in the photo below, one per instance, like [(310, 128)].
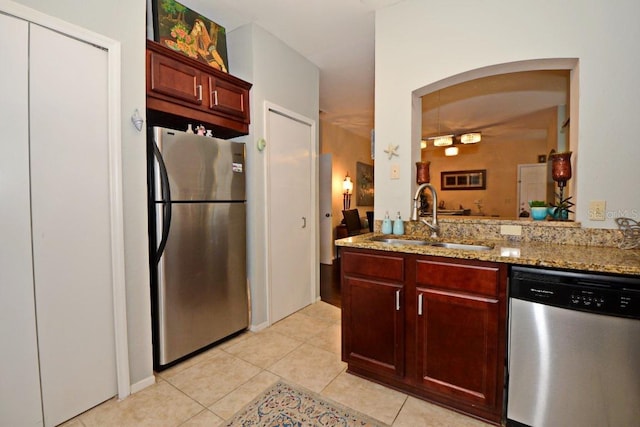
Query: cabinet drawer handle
[(398, 300), (199, 92), (420, 305), (214, 100)]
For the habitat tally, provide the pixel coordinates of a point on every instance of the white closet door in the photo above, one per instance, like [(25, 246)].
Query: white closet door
[(71, 229), (19, 381), (292, 221)]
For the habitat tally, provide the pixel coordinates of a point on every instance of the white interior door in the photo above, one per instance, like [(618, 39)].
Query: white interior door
[(71, 223), (19, 379), (292, 259), (532, 184), (325, 217)]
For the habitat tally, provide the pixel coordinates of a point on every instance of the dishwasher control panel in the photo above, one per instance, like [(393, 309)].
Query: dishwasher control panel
[(595, 293)]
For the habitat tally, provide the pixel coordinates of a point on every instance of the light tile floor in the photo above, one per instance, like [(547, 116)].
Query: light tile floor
[(302, 349)]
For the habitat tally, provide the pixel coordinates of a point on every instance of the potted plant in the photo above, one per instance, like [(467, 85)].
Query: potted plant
[(538, 209), (561, 209)]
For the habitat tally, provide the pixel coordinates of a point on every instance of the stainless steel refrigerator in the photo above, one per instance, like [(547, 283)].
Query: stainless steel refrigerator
[(197, 241)]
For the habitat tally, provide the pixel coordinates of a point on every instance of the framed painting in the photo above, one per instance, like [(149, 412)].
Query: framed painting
[(464, 180), (364, 184), (188, 32)]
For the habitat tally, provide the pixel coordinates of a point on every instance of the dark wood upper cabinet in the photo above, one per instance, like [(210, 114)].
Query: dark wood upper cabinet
[(181, 90)]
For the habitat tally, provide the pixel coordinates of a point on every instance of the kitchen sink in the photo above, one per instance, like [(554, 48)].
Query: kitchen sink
[(393, 241), (419, 242), (462, 246)]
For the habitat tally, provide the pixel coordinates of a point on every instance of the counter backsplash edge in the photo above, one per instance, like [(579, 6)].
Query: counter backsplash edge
[(557, 232)]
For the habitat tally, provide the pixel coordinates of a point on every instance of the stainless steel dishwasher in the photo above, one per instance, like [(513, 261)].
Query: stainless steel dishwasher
[(574, 349)]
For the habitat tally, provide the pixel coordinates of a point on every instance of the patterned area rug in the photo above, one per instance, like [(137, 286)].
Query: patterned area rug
[(285, 406)]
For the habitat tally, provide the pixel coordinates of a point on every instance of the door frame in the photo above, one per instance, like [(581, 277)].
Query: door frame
[(326, 242), (314, 280), (112, 47)]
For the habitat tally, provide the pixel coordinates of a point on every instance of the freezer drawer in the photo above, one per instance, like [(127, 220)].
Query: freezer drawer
[(202, 284)]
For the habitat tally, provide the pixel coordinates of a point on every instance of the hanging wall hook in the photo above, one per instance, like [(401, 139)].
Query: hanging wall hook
[(137, 120)]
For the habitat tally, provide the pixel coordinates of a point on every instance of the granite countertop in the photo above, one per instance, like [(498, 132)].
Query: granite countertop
[(585, 258)]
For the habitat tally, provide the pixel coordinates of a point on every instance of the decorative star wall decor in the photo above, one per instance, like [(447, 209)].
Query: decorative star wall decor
[(392, 150)]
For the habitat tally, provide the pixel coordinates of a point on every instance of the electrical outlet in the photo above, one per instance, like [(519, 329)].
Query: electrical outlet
[(395, 172), (511, 230), (597, 210)]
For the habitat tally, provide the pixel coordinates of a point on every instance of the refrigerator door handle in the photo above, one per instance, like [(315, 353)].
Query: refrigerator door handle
[(166, 201)]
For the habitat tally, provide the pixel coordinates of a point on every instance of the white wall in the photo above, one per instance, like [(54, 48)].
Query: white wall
[(124, 21), (420, 42), (283, 77)]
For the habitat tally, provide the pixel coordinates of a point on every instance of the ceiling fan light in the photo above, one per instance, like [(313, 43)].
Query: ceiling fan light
[(442, 141), (470, 138), (451, 151)]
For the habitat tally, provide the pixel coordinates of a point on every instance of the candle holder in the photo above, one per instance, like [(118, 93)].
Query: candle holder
[(422, 172), (561, 173)]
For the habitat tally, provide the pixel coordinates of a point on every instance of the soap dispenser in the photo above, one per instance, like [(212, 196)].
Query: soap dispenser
[(398, 225), (386, 224)]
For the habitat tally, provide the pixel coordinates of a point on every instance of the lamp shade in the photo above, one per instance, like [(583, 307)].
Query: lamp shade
[(470, 138), (442, 141), (451, 151), (347, 184)]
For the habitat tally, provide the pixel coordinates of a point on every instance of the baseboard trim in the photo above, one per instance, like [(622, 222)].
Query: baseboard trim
[(140, 385), (259, 327)]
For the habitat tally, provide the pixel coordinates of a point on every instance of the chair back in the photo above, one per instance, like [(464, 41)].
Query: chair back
[(352, 221)]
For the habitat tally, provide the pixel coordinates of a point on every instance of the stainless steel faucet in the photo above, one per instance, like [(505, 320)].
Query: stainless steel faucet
[(435, 228)]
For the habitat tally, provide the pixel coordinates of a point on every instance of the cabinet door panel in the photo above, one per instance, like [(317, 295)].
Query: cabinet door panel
[(457, 345), (172, 78), (228, 98), (373, 324)]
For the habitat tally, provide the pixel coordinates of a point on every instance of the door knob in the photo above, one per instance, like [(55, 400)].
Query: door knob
[(327, 215), (304, 222)]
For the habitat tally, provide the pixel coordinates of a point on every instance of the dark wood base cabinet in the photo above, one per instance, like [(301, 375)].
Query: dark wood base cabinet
[(433, 327)]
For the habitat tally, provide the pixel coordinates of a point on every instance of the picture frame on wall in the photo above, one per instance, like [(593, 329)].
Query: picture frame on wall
[(464, 180), (190, 33), (364, 184)]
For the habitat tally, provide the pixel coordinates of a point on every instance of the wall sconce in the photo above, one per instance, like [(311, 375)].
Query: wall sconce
[(347, 188)]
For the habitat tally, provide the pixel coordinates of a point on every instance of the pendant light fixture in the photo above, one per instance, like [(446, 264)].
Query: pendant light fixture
[(470, 138), (451, 151), (441, 140)]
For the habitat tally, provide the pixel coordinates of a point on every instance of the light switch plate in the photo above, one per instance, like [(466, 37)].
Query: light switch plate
[(597, 209), (395, 171)]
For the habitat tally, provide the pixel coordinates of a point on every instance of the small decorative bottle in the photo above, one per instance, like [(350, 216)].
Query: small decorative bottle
[(386, 224), (189, 128), (398, 225)]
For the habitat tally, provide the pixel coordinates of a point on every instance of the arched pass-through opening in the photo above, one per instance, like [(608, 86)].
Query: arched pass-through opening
[(570, 65)]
